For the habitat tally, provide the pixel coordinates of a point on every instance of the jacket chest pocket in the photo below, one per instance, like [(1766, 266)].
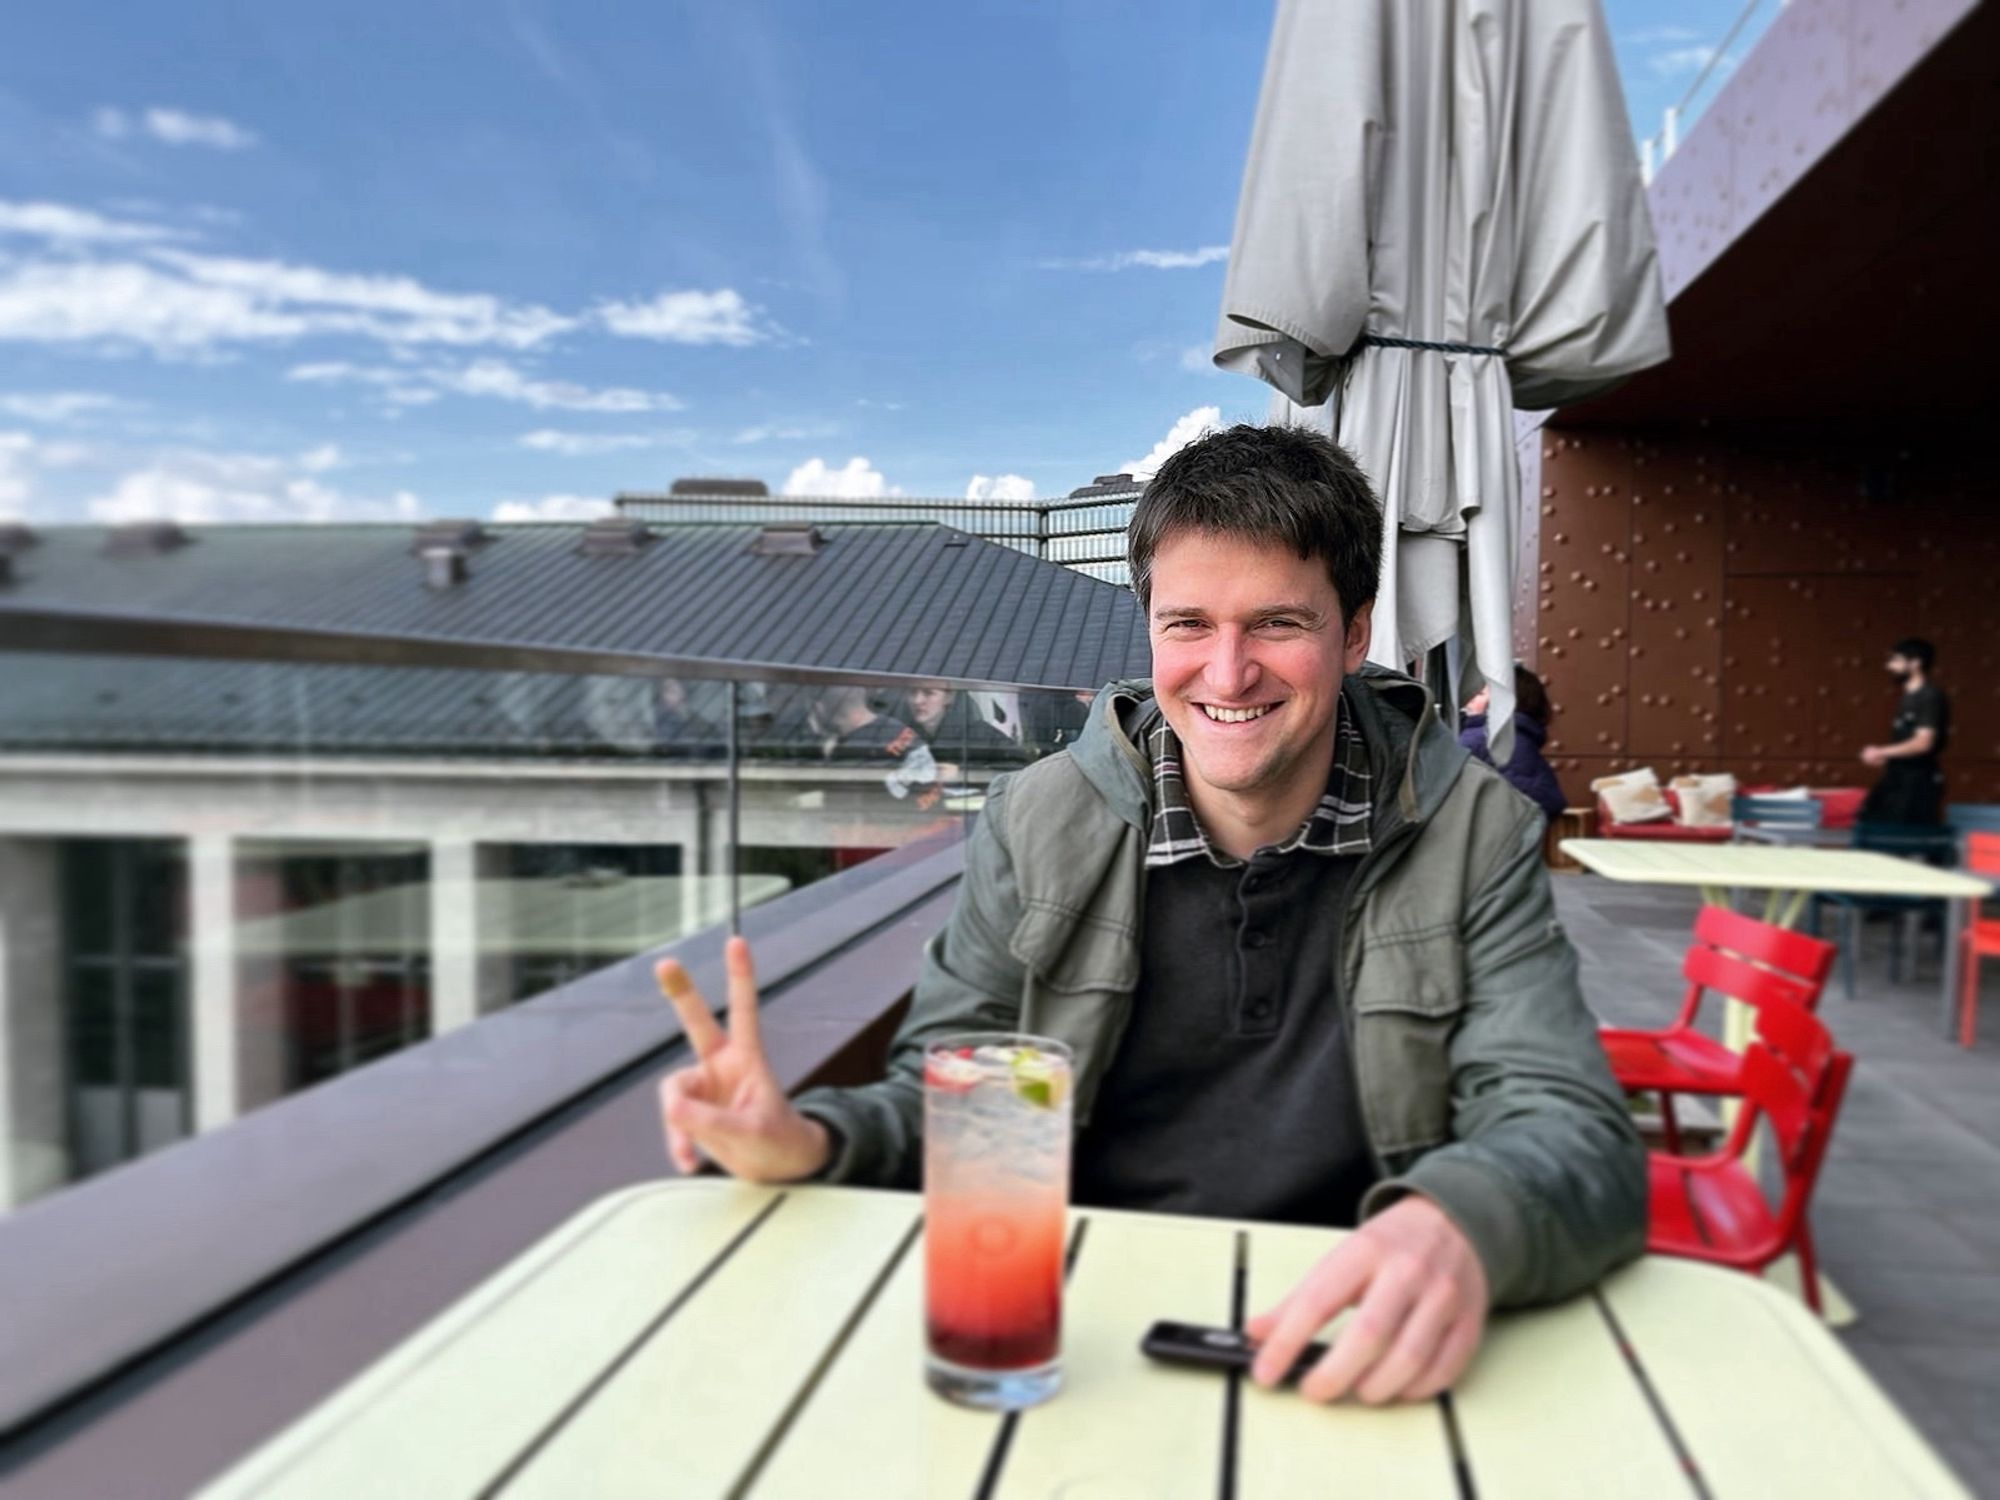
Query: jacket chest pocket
[(1408, 997), (1078, 989)]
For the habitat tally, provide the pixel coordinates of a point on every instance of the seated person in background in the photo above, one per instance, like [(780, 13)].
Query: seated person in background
[(951, 725), (1526, 770), (1301, 942), (852, 733)]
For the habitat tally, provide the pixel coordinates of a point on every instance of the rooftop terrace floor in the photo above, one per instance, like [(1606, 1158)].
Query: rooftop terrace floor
[(1907, 1213)]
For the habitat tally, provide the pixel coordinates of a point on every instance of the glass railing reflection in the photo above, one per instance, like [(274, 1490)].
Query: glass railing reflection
[(224, 882)]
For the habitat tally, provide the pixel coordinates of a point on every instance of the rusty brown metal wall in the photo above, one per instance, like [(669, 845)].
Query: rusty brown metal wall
[(1702, 600)]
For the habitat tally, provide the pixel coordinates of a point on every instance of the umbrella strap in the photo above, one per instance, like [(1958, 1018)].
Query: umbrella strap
[(1381, 341)]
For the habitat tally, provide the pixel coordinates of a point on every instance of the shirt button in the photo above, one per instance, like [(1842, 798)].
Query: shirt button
[(1253, 882), (1259, 1010), (1256, 939)]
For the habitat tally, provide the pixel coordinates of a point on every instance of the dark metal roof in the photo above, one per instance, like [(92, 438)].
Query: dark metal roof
[(875, 602)]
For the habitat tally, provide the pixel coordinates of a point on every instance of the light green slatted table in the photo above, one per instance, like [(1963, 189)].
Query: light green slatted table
[(1788, 876), (708, 1338)]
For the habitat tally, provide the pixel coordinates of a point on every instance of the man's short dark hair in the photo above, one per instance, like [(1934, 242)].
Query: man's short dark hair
[(1284, 486), (1915, 648)]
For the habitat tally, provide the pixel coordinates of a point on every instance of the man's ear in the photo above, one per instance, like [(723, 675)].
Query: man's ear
[(1360, 631)]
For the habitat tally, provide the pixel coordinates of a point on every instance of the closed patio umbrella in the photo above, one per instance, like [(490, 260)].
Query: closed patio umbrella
[(1441, 220)]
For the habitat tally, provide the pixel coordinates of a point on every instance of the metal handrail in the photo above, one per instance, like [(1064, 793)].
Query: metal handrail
[(1666, 140)]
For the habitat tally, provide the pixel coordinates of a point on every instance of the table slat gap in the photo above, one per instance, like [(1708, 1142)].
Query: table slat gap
[(1232, 1400), (792, 1412), (1654, 1403), (1003, 1440), (604, 1377)]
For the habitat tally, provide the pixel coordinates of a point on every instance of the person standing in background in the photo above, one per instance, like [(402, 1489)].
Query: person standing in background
[(1526, 769), (1912, 786)]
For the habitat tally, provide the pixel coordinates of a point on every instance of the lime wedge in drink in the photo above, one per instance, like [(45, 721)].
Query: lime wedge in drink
[(1037, 1079)]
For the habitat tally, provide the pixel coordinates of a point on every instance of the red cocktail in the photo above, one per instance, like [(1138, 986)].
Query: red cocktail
[(996, 1185)]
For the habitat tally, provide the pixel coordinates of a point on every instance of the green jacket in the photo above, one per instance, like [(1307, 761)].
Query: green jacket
[(1481, 1082)]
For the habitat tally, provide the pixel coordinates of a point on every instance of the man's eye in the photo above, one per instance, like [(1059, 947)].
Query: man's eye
[(1281, 624)]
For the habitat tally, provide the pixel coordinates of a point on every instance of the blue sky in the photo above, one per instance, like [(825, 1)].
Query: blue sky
[(465, 257)]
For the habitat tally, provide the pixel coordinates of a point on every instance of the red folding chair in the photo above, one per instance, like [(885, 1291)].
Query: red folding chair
[(1982, 934), (1710, 1208), (1736, 956)]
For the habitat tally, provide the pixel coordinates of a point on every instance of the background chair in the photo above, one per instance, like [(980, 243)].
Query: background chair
[(1982, 934), (1731, 955), (1777, 812), (1711, 1208), (1928, 843)]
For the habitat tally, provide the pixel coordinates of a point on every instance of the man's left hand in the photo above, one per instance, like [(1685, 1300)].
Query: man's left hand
[(1419, 1294), (1872, 755)]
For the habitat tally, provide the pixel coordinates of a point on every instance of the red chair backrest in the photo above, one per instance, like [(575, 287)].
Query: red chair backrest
[(1752, 961), (1793, 1078), (1982, 853), (1780, 948)]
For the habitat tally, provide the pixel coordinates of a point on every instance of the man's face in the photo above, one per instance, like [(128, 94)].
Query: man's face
[(1248, 653), (929, 704), (1900, 667)]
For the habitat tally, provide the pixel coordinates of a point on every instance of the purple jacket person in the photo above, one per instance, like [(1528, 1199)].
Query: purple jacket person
[(1526, 769)]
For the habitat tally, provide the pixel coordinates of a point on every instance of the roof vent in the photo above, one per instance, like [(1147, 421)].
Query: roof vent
[(444, 566), (461, 532), (719, 487), (788, 539), (137, 537), (6, 569), (615, 536), (1106, 484), (16, 537)]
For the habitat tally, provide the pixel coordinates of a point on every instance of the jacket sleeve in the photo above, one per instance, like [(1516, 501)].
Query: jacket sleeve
[(1545, 1173), (969, 982)]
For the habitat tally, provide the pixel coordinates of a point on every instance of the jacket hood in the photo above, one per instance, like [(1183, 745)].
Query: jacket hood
[(1408, 747)]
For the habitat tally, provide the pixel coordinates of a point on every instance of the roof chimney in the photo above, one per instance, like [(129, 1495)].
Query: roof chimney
[(16, 537), (6, 569), (1106, 484), (739, 487), (615, 536), (140, 537), (461, 532), (444, 566), (788, 539)]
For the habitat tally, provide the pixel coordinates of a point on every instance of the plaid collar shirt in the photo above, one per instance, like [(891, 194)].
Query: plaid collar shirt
[(1338, 826)]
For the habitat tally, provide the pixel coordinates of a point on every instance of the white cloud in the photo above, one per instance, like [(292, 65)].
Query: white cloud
[(1183, 432), (769, 432), (584, 444), (17, 455), (1678, 60), (23, 459), (720, 317), (505, 382), (194, 303), (172, 127), (199, 487), (56, 406), (1000, 487), (178, 128), (319, 460), (553, 508), (496, 379), (1199, 359), (1650, 35), (855, 480), (1153, 260), (70, 227)]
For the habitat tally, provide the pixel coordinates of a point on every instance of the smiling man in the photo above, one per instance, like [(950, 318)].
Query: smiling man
[(1303, 945)]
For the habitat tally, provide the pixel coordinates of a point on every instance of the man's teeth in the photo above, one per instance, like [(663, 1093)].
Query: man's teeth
[(1235, 715)]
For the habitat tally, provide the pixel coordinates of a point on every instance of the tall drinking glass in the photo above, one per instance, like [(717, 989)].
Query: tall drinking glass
[(996, 1184)]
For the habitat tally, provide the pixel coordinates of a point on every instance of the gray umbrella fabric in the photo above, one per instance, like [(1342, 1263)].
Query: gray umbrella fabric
[(1442, 220)]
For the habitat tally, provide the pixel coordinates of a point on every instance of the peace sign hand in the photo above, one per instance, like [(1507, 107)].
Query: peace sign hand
[(728, 1106)]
